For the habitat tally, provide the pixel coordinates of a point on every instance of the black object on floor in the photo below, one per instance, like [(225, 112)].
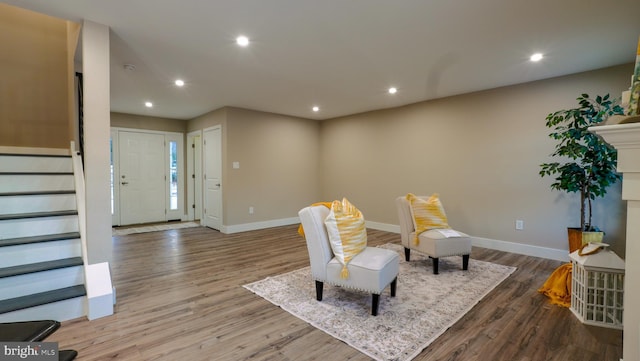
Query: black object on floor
[(30, 331), (33, 331), (67, 355)]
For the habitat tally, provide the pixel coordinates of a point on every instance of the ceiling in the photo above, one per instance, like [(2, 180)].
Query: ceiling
[(342, 55)]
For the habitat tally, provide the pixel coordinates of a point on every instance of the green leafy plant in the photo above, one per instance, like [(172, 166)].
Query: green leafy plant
[(588, 163)]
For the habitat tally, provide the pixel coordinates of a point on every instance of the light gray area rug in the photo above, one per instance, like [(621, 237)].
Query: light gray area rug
[(425, 306), (153, 228)]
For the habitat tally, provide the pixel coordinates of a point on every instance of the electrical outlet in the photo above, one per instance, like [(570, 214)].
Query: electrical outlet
[(250, 210), (519, 224)]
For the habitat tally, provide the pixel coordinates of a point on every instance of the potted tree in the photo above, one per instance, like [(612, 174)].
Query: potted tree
[(587, 163)]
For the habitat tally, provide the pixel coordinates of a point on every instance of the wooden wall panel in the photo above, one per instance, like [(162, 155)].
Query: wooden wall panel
[(34, 96)]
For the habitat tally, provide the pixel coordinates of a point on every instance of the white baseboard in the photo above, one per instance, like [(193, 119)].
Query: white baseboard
[(259, 225), (383, 227), (519, 248), (504, 246)]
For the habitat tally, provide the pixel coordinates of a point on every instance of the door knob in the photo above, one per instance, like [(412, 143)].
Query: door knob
[(124, 183)]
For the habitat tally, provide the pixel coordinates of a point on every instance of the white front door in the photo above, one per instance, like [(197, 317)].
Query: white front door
[(213, 177), (141, 178)]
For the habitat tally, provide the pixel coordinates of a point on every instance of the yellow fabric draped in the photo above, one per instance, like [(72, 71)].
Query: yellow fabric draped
[(326, 204), (558, 286)]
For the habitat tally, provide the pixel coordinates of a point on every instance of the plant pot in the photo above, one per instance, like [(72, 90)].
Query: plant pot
[(577, 238), (592, 237)]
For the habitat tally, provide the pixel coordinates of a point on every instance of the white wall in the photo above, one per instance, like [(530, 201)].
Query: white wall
[(95, 53), (481, 152)]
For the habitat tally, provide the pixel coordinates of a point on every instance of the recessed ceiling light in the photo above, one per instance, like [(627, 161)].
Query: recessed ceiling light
[(393, 90), (536, 57), (148, 104), (180, 82), (315, 109), (242, 40)]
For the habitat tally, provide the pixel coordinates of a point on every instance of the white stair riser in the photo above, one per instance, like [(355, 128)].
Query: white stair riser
[(38, 226), (37, 203), (35, 164), (23, 285), (39, 252), (32, 183), (58, 311)]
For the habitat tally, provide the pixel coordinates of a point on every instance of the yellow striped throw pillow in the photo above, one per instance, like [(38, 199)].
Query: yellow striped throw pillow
[(347, 232), (427, 214)]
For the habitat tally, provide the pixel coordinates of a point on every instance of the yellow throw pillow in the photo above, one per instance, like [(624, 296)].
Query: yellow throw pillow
[(347, 232), (427, 214)]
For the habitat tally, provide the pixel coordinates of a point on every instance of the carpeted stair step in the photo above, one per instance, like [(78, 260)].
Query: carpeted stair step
[(38, 299), (44, 155), (4, 217), (35, 164), (37, 193), (38, 239), (40, 267), (36, 173)]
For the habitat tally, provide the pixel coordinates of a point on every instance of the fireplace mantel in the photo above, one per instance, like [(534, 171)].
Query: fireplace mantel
[(626, 139)]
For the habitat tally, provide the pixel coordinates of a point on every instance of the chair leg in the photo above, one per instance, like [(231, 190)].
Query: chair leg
[(435, 265), (393, 287), (465, 262), (407, 254), (319, 285), (375, 300)]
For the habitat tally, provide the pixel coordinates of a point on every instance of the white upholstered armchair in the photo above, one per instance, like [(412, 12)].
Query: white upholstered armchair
[(432, 242), (371, 270)]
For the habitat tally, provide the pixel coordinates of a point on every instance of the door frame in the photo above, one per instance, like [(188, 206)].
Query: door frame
[(194, 176), (179, 213), (115, 169), (168, 136)]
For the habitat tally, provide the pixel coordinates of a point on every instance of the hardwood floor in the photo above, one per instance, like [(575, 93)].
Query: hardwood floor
[(180, 297)]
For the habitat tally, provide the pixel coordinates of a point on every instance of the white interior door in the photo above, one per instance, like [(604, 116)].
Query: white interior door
[(213, 177), (141, 178)]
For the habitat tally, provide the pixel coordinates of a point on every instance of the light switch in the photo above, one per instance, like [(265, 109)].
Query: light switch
[(236, 165)]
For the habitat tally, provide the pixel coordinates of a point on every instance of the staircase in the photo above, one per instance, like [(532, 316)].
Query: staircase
[(42, 272)]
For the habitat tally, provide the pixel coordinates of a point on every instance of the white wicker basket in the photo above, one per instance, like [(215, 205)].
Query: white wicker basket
[(597, 288)]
